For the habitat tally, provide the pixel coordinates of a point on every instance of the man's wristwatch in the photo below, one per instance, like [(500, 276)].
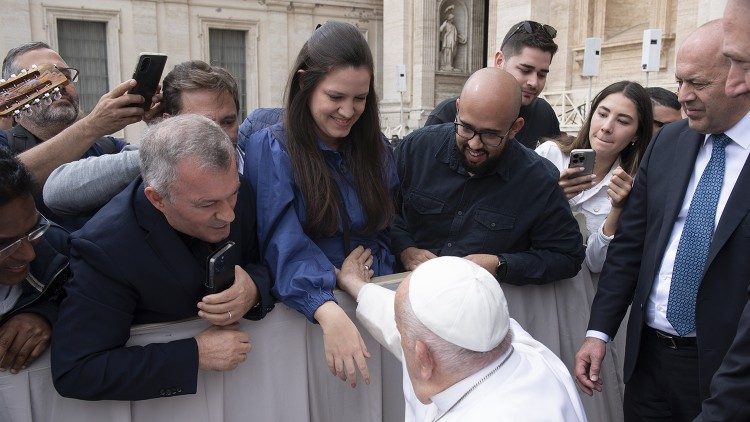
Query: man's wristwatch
[(502, 268)]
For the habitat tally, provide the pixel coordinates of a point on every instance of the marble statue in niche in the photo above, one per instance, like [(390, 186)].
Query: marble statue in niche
[(450, 38)]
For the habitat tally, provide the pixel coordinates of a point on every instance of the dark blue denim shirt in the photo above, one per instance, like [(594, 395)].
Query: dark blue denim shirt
[(517, 210)]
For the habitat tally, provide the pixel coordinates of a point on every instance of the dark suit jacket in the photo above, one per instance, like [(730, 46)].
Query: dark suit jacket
[(730, 386), (131, 267), (636, 252)]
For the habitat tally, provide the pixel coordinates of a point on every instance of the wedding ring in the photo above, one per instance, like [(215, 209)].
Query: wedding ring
[(367, 268), (230, 315)]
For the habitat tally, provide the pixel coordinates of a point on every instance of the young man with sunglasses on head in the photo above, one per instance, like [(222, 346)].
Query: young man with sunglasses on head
[(526, 53), (33, 267)]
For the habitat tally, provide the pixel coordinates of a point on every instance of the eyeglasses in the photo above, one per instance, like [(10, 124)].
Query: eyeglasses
[(488, 139), (70, 72), (530, 27), (41, 227)]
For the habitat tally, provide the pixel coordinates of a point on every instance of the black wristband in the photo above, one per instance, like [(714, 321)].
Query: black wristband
[(502, 268)]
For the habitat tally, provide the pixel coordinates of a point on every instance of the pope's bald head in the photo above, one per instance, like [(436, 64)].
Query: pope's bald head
[(491, 94)]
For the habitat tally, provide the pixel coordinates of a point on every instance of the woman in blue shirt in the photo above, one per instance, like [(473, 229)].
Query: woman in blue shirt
[(323, 179)]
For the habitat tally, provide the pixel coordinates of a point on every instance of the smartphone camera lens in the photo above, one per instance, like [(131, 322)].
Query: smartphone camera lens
[(145, 64)]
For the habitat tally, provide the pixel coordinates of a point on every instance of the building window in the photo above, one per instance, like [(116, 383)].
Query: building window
[(83, 45), (227, 50)]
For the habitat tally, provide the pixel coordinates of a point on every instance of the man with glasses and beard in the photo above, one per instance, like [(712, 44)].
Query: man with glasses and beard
[(56, 134), (526, 53), (33, 266), (470, 189)]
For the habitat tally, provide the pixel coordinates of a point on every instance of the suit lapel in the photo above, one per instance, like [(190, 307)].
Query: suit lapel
[(170, 249), (685, 151), (735, 210)]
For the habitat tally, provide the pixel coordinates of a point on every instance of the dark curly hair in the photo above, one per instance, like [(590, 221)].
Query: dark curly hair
[(15, 179)]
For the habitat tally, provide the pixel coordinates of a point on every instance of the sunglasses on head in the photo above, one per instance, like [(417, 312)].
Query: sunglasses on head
[(531, 27)]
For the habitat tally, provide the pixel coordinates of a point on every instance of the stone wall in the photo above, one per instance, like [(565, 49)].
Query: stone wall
[(179, 28)]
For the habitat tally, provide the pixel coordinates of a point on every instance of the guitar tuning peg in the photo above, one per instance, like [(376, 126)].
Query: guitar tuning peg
[(27, 110), (56, 95), (46, 95), (13, 75), (33, 67), (36, 101), (23, 71), (2, 81), (16, 113), (46, 100)]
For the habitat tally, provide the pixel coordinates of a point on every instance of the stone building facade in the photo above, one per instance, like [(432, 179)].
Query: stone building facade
[(409, 33), (272, 33)]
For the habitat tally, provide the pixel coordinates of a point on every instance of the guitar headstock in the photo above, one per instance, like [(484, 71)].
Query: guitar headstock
[(38, 86)]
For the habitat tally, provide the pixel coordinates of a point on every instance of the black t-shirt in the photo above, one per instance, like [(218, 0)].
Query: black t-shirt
[(539, 120)]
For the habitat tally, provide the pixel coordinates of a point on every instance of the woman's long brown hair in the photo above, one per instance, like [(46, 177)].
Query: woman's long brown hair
[(335, 45)]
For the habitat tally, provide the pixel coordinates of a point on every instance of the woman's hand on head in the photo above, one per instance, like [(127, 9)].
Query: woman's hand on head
[(344, 348)]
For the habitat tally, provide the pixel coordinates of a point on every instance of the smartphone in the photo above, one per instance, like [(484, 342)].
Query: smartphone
[(220, 268), (583, 158), (147, 74)]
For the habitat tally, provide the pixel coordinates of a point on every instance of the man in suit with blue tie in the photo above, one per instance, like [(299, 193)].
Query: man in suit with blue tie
[(730, 387), (679, 256), (142, 259)]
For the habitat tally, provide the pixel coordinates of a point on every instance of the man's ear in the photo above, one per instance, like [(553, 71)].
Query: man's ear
[(516, 127), (499, 59), (458, 104), (156, 199), (425, 360)]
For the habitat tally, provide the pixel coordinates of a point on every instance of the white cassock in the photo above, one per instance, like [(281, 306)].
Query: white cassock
[(532, 385)]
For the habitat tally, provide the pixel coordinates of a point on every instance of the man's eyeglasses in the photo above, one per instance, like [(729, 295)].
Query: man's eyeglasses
[(490, 140), (70, 72), (530, 27), (9, 249)]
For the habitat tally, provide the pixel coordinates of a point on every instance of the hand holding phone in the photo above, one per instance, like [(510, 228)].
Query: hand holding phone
[(147, 75), (583, 158), (573, 180), (220, 268)]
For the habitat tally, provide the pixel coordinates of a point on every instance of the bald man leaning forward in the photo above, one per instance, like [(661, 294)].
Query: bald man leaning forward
[(470, 189), (464, 359)]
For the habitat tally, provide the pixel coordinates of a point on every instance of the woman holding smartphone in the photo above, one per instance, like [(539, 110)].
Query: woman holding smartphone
[(617, 129), (324, 179)]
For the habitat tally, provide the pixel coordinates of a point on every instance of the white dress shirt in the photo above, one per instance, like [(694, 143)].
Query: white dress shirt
[(532, 385), (593, 205), (737, 152)]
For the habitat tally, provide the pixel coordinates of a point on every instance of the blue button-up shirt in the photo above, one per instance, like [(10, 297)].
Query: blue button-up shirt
[(304, 267)]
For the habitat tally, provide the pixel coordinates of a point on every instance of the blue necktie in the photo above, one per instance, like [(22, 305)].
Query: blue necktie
[(692, 251)]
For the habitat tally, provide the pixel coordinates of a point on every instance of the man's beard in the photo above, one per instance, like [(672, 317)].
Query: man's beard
[(56, 114), (483, 168)]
